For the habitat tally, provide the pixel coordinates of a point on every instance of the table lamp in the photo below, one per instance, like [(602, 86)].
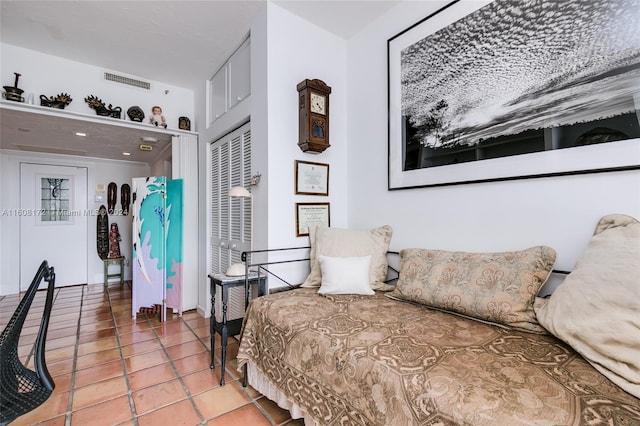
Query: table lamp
[(238, 269)]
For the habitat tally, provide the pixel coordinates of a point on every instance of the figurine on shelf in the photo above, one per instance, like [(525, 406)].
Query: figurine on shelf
[(12, 93), (157, 118), (59, 102), (100, 108), (135, 113), (184, 123), (114, 242)]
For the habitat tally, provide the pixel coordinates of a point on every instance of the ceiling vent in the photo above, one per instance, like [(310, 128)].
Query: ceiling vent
[(126, 80)]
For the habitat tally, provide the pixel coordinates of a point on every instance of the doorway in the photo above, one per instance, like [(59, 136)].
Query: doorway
[(53, 222)]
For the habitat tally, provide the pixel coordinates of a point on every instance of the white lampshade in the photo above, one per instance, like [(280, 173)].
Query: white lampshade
[(239, 192), (238, 269), (235, 270)]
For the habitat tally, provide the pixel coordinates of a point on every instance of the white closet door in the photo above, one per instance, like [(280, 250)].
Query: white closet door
[(230, 218)]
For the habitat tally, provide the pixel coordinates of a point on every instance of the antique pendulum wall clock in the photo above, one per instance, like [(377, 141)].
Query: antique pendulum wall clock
[(313, 107)]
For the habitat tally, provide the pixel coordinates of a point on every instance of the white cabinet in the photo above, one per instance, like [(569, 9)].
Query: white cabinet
[(218, 99), (239, 74), (232, 83)]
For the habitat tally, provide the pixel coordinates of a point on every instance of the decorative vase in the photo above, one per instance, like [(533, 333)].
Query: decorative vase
[(12, 93)]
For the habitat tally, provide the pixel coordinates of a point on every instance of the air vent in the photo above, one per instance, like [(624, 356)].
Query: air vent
[(126, 80), (33, 148)]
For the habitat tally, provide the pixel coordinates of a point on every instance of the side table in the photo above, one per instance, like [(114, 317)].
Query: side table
[(227, 327), (113, 261)]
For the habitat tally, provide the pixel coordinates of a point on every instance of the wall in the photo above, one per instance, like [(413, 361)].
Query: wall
[(48, 75), (299, 50), (211, 132), (282, 46), (560, 212), (98, 172)]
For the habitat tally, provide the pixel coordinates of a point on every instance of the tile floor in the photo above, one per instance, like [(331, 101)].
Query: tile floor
[(112, 370)]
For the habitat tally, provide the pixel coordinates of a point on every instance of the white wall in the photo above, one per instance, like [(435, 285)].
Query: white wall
[(99, 171), (48, 75), (285, 50), (299, 50), (560, 212)]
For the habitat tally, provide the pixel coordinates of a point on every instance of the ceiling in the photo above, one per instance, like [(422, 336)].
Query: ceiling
[(116, 34)]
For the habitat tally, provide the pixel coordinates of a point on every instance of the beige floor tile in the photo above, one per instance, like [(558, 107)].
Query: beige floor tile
[(93, 359), (190, 364), (183, 350), (111, 412), (181, 337), (204, 380), (181, 413), (141, 348), (150, 376), (98, 373), (158, 396), (137, 336), (220, 400), (246, 415), (97, 335), (97, 345), (146, 360), (99, 392)]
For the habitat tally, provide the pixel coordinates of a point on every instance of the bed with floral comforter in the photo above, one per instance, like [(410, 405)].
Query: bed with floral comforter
[(462, 339), (371, 360)]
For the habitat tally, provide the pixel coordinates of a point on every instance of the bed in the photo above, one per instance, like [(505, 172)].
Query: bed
[(407, 357)]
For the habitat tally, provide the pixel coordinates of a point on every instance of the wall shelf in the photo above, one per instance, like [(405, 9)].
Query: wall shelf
[(29, 127)]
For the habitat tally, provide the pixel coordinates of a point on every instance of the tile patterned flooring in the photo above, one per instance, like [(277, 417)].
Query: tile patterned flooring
[(112, 370)]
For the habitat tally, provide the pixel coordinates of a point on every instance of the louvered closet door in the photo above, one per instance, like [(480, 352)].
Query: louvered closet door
[(230, 217)]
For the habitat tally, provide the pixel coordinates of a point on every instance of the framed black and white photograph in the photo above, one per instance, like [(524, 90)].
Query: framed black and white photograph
[(511, 89), (309, 215), (311, 178)]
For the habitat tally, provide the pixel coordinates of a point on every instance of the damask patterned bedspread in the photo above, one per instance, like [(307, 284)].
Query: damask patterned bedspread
[(370, 360)]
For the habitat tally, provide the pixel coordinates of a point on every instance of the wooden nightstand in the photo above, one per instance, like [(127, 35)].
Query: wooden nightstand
[(229, 327)]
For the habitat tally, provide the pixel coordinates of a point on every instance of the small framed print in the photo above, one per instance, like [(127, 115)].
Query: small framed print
[(309, 215), (311, 178)]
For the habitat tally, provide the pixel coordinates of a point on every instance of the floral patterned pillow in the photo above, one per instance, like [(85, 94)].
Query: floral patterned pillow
[(495, 287)]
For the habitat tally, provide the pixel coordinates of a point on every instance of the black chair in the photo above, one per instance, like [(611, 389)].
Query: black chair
[(22, 389)]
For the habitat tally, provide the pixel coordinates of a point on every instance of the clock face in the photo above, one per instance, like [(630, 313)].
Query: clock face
[(318, 103)]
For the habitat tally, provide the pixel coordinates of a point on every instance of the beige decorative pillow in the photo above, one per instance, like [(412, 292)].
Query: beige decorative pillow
[(339, 242), (596, 309), (496, 287)]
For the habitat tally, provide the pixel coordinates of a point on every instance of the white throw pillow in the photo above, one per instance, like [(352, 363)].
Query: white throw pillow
[(339, 242), (345, 275), (596, 309)]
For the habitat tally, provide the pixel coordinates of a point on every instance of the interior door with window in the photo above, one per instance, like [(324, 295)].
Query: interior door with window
[(53, 222)]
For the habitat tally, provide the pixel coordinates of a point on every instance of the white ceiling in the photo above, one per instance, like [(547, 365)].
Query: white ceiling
[(152, 40)]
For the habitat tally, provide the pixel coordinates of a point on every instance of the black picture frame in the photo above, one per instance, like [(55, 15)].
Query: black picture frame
[(476, 93)]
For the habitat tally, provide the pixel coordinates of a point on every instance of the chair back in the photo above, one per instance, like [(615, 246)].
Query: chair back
[(22, 389)]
